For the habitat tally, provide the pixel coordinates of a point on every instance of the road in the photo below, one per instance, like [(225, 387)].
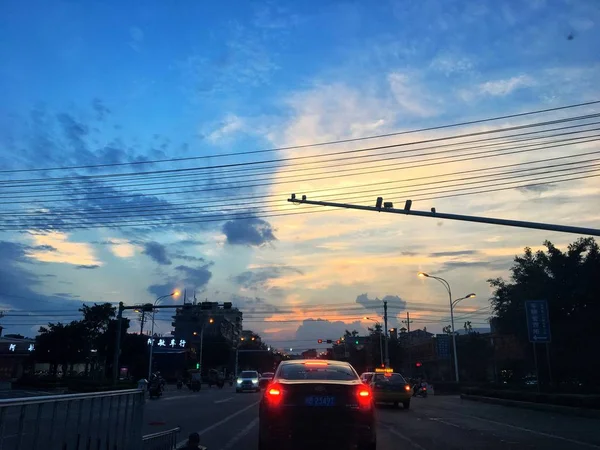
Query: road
[(227, 420)]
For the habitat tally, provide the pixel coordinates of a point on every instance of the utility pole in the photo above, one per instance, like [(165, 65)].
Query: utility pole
[(118, 344), (142, 322), (385, 321), (408, 322), (388, 207)]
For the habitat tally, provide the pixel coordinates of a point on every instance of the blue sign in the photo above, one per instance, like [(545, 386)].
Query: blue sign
[(442, 346), (538, 321)]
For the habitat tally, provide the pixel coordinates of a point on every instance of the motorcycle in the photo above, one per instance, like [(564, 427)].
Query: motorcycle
[(155, 391), (420, 391)]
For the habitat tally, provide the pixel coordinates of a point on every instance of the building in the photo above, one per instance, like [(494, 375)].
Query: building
[(209, 320), (14, 353)]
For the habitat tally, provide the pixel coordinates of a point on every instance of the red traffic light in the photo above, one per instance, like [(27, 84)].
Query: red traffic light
[(338, 342), (320, 341), (418, 364)]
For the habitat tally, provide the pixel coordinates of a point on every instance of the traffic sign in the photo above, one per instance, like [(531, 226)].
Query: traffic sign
[(538, 321)]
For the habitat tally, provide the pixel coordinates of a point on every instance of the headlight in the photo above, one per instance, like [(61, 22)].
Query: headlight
[(254, 380), (239, 381)]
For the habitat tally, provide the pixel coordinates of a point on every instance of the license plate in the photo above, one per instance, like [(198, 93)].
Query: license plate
[(320, 400)]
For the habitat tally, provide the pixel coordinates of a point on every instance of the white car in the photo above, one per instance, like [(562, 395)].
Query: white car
[(248, 381)]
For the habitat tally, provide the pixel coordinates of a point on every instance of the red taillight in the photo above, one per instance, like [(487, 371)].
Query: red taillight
[(364, 396), (274, 394)]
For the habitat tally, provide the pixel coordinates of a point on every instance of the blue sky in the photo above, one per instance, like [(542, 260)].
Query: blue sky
[(87, 83)]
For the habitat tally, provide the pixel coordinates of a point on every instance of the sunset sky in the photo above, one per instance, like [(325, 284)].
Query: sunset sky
[(88, 84)]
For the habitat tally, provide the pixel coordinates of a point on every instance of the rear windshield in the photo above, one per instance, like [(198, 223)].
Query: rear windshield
[(249, 374), (394, 378), (267, 375), (309, 372)]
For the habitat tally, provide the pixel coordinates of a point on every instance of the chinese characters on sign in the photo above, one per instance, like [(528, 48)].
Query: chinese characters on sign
[(163, 342), (538, 321), (13, 347)]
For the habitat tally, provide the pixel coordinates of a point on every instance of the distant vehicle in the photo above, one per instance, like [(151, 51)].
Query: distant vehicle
[(391, 388), (247, 381), (317, 403), (366, 377), (265, 379), (195, 381)]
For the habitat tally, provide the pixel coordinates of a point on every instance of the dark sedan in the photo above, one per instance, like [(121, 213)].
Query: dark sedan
[(265, 379), (316, 403)]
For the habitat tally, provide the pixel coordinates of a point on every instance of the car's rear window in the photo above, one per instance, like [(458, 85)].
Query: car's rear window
[(249, 374), (394, 378), (316, 372), (268, 375)]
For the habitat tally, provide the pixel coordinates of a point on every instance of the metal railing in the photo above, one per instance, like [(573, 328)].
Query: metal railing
[(107, 420), (163, 440)]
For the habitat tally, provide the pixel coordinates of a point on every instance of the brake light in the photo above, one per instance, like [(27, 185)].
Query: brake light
[(364, 396), (407, 388), (316, 363), (274, 394)]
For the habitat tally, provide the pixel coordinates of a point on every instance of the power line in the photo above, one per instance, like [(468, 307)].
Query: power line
[(339, 141), (464, 181), (247, 171), (471, 156), (268, 214)]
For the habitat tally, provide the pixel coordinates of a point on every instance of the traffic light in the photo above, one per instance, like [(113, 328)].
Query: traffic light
[(419, 364), (356, 342), (319, 341), (379, 202), (338, 342), (197, 366)]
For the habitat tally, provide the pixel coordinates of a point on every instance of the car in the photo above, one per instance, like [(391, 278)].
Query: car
[(391, 388), (247, 381), (366, 377), (265, 379), (319, 403)]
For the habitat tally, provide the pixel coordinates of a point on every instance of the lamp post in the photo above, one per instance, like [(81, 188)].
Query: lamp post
[(211, 320), (172, 294), (453, 303), (380, 343)]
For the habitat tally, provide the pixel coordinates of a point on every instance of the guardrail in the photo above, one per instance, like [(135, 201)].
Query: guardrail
[(164, 440), (108, 421)]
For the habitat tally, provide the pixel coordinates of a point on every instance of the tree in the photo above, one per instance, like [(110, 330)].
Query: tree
[(96, 320), (447, 329), (569, 282), (468, 327)]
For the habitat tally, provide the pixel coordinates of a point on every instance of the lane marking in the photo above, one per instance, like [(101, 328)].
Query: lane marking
[(224, 400), (435, 419), (406, 438), (540, 433), (220, 422), (240, 435)]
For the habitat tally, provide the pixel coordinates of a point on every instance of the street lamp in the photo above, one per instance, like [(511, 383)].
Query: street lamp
[(380, 344), (175, 293), (453, 303), (210, 320)]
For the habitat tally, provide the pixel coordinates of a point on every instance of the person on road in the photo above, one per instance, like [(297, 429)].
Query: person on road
[(193, 443)]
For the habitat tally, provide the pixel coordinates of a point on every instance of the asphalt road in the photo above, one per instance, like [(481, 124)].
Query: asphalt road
[(226, 420)]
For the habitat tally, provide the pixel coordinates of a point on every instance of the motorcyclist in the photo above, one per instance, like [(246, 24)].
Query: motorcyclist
[(193, 443)]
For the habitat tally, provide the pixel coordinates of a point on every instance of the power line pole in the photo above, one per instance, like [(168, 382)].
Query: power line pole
[(388, 207), (142, 322), (385, 321), (408, 322)]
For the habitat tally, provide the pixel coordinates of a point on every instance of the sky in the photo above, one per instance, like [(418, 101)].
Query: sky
[(146, 147)]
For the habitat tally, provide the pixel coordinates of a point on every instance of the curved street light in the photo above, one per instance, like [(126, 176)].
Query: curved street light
[(175, 293), (453, 303)]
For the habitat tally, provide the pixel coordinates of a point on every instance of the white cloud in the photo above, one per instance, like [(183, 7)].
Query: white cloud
[(228, 127), (410, 95), (63, 251), (450, 64), (121, 248), (506, 86)]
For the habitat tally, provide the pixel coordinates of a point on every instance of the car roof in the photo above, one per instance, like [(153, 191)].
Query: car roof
[(330, 362)]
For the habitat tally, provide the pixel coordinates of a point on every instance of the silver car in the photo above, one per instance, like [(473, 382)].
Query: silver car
[(248, 380)]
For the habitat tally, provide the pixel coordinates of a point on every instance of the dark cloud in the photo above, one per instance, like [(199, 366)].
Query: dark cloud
[(187, 277), (65, 295), (100, 110), (87, 266), (251, 232), (455, 253), (259, 278), (536, 189), (17, 291), (313, 329), (376, 304), (493, 265), (44, 248), (157, 252), (189, 258), (252, 304)]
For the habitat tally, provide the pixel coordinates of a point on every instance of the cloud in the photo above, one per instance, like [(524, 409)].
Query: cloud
[(450, 64), (376, 304), (313, 329), (410, 95), (229, 126), (253, 304), (259, 278), (195, 278), (506, 86), (250, 232), (157, 252), (137, 38), (121, 248), (189, 258), (453, 253), (56, 247), (88, 266)]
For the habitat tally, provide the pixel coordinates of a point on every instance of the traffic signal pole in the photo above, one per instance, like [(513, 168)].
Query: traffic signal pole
[(387, 207), (385, 321)]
